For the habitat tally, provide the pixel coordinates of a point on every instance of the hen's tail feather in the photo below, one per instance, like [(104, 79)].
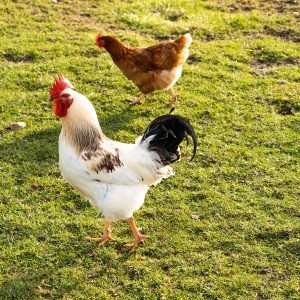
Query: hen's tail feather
[(167, 132)]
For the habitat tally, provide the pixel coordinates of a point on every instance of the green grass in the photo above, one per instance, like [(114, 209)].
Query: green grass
[(227, 225)]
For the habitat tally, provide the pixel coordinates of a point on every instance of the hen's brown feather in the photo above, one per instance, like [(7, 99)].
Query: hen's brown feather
[(152, 68)]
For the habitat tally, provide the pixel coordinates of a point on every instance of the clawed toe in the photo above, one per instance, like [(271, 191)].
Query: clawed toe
[(104, 241), (172, 102), (131, 247), (135, 101), (99, 241), (136, 243)]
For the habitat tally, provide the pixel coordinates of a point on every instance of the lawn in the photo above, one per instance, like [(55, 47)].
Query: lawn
[(227, 225)]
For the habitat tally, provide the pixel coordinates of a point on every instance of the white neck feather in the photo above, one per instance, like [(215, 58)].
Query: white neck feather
[(81, 111)]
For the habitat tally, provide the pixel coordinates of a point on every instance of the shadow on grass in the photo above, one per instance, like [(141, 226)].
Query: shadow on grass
[(270, 236), (42, 146), (20, 288), (34, 147), (123, 120)]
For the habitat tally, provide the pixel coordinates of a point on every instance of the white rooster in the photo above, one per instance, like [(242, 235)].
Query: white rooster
[(113, 176)]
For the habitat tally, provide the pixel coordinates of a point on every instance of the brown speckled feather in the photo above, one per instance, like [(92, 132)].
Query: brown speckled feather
[(88, 142)]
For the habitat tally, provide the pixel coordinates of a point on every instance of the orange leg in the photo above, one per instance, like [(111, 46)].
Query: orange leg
[(139, 238), (106, 236)]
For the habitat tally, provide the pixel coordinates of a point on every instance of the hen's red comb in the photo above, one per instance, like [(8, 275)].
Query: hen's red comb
[(59, 85)]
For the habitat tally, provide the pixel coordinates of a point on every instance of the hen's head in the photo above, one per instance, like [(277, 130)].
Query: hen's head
[(60, 96), (100, 41), (106, 41)]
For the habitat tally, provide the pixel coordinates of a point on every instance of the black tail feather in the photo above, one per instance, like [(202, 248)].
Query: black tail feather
[(169, 131)]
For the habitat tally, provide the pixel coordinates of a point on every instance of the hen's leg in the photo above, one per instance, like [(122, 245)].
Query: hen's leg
[(138, 100), (106, 236), (139, 238), (173, 97)]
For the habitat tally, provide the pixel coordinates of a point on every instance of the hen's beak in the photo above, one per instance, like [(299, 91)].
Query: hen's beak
[(99, 41)]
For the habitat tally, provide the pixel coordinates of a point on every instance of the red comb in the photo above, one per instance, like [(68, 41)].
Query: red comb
[(59, 85)]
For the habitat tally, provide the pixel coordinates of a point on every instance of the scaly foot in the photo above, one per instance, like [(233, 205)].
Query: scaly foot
[(100, 241), (140, 239), (135, 101), (172, 102), (106, 236)]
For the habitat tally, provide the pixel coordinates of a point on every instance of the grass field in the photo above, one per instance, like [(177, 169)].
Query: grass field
[(227, 225)]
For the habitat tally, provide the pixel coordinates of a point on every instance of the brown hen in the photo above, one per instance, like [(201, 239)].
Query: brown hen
[(153, 68)]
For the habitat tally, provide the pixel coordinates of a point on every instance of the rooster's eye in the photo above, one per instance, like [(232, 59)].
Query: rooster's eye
[(66, 96)]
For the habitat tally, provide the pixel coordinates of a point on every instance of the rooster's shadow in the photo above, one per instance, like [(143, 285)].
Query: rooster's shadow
[(36, 147), (39, 147)]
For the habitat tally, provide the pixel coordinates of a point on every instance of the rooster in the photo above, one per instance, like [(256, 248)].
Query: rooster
[(113, 176), (153, 68)]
